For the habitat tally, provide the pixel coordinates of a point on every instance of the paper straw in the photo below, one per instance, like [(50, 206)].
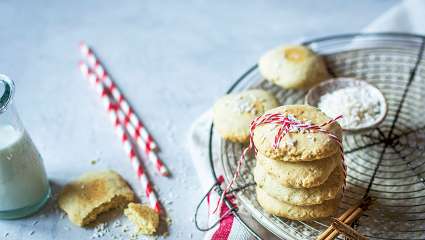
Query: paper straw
[(128, 147), (118, 96), (137, 131), (152, 156)]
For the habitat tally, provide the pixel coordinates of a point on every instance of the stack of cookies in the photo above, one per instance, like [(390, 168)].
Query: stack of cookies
[(303, 177)]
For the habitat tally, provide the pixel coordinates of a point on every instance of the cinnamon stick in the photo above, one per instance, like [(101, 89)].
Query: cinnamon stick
[(346, 214), (349, 220), (348, 217), (347, 230)]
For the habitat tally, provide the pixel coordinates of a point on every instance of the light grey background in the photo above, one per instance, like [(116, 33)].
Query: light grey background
[(171, 59)]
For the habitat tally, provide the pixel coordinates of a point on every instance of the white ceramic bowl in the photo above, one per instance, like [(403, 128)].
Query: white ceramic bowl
[(313, 96)]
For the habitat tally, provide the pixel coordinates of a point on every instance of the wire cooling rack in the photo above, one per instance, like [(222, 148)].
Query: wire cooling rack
[(386, 163)]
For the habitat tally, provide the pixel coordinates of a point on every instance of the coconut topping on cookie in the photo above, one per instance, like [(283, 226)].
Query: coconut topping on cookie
[(234, 112)]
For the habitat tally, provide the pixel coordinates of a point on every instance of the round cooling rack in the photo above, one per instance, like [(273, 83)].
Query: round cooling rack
[(386, 163)]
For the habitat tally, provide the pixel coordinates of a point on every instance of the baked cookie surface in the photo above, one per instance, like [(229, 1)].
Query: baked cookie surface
[(300, 174), (293, 67), (298, 146), (300, 196), (234, 113), (301, 213), (92, 194)]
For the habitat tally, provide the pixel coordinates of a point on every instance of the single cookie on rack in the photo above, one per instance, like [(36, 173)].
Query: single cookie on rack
[(301, 213), (293, 67), (92, 194), (233, 113), (300, 196), (143, 217), (306, 174), (298, 146)]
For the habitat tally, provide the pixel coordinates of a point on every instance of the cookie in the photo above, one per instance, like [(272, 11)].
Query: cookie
[(298, 146), (301, 213), (234, 113), (92, 194), (300, 196), (143, 217), (293, 67), (300, 174)]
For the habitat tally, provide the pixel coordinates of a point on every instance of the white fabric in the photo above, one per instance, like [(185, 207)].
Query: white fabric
[(198, 148), (407, 16)]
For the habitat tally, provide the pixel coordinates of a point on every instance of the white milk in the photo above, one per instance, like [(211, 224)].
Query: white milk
[(23, 181)]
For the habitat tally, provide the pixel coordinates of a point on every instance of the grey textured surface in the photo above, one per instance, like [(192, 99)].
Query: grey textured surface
[(171, 59)]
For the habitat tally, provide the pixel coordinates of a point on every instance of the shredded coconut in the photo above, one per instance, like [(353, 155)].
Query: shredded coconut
[(100, 231), (117, 224), (246, 104), (357, 105), (290, 142)]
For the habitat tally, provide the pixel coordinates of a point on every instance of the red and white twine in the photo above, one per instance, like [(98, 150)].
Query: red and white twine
[(286, 124), (128, 146), (118, 96)]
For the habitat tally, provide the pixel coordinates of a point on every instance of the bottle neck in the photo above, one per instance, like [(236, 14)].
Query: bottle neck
[(7, 89)]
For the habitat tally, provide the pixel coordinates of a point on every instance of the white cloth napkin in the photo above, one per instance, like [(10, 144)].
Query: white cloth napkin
[(407, 16)]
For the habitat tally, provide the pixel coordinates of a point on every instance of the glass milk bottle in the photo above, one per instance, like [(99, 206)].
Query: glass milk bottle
[(24, 187)]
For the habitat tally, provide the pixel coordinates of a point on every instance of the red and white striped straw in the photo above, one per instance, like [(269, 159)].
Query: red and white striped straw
[(119, 97), (152, 156), (133, 131), (128, 147), (136, 128)]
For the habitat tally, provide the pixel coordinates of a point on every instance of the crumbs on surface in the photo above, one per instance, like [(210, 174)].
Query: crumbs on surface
[(100, 231)]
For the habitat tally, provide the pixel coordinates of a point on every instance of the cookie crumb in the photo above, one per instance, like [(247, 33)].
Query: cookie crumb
[(169, 221), (143, 217)]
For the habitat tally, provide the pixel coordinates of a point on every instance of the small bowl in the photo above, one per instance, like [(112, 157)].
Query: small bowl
[(313, 96)]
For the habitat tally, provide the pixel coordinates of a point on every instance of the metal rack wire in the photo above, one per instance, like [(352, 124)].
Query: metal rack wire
[(387, 163)]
